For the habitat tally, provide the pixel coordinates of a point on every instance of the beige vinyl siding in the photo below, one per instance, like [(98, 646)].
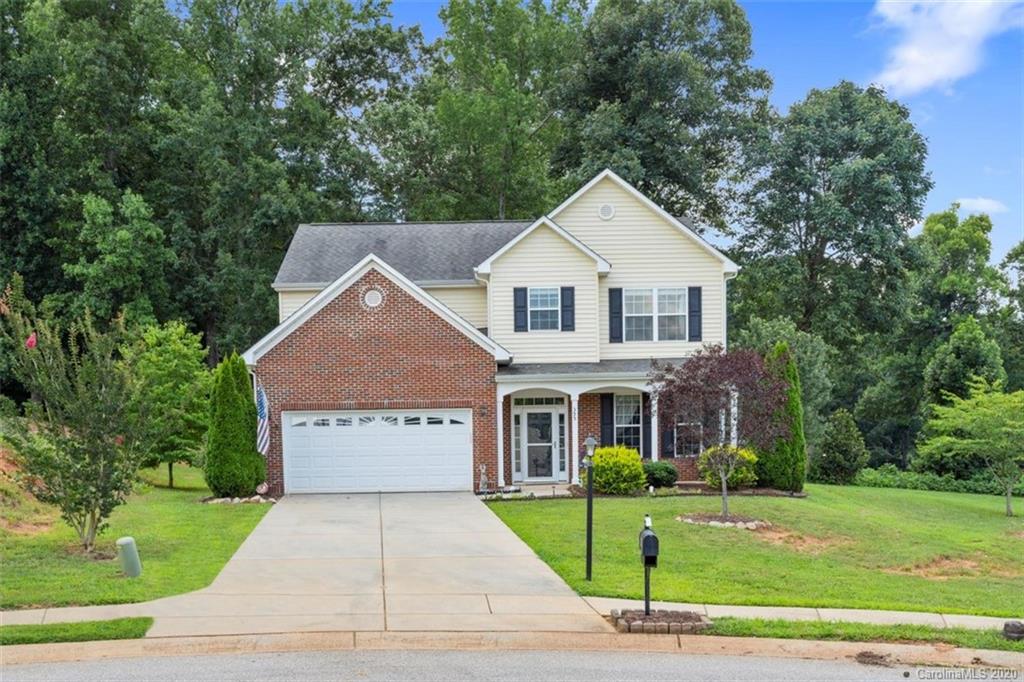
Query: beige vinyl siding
[(645, 251), (290, 301), (544, 259), (469, 303)]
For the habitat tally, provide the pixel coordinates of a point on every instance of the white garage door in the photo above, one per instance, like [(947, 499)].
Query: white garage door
[(383, 450)]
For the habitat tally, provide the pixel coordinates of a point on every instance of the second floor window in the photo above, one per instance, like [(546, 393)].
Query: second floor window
[(654, 314), (544, 309)]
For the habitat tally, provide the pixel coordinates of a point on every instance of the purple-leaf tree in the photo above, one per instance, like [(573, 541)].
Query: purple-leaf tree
[(731, 395)]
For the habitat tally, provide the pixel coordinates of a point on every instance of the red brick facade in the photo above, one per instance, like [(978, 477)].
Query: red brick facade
[(399, 355)]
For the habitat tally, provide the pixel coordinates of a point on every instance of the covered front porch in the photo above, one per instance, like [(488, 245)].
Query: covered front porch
[(546, 411)]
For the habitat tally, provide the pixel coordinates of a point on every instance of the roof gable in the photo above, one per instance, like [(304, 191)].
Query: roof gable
[(329, 293), (608, 174), (603, 266)]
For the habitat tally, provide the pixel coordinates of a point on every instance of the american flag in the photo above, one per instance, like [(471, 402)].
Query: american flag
[(262, 422)]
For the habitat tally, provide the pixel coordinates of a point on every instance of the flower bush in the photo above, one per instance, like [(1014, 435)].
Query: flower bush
[(618, 470)]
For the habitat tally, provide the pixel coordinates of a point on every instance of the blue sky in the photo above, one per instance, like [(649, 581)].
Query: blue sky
[(958, 66)]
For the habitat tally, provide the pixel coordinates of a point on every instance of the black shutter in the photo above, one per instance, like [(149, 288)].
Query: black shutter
[(645, 421), (694, 323), (519, 308), (568, 309), (615, 315), (607, 419), (668, 441)]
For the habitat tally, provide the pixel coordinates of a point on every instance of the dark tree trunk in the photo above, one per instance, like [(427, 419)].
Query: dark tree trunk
[(170, 474)]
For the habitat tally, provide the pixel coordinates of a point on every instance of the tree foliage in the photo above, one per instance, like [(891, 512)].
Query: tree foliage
[(987, 423), (662, 92), (842, 180), (784, 465), (968, 353), (842, 454), (78, 444), (232, 466), (171, 394), (727, 467)]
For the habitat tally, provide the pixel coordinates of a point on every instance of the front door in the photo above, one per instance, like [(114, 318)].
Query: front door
[(540, 445)]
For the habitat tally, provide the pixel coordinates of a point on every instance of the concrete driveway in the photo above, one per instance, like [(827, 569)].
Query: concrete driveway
[(415, 561)]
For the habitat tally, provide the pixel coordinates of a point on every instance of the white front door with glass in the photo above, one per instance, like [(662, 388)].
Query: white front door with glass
[(539, 440)]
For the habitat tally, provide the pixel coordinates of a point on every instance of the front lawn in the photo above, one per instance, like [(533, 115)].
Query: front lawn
[(85, 631), (869, 548), (183, 545)]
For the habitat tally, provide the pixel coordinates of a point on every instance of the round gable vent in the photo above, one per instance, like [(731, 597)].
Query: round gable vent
[(372, 298), (606, 211)]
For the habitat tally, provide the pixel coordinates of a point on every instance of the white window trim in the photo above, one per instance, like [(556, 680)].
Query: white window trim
[(530, 308), (615, 419), (656, 313)]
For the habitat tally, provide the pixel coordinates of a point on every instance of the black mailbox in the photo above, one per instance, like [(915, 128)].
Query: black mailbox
[(649, 548)]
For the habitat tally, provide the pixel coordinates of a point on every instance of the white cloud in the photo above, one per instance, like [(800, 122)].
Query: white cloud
[(982, 205), (940, 42)]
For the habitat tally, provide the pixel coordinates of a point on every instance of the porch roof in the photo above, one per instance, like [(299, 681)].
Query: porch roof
[(567, 371)]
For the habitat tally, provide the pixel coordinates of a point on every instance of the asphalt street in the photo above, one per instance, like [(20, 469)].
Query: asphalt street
[(458, 665)]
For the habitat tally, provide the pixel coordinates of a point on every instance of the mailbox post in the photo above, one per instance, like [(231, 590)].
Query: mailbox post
[(649, 557)]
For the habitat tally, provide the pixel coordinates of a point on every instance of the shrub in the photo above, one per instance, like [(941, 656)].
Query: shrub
[(743, 473), (888, 476), (661, 474), (617, 471), (784, 465), (232, 466), (842, 454)]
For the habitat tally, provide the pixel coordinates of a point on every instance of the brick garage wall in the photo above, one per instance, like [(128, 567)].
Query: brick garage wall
[(399, 355)]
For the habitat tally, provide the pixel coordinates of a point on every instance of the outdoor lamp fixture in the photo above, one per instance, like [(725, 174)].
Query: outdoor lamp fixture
[(588, 464)]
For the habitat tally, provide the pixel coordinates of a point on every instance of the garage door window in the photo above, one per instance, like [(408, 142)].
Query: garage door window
[(343, 421), (298, 422), (322, 421), (435, 421), (412, 421)]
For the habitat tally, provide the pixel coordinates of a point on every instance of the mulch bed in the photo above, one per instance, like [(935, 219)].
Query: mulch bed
[(660, 621)]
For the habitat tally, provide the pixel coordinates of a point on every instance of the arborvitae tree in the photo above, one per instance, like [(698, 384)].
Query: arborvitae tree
[(784, 466), (233, 467), (842, 454)]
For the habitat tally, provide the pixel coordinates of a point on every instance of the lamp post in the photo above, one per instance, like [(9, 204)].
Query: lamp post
[(588, 464)]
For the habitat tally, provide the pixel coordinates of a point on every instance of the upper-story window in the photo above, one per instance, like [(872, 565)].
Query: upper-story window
[(545, 309), (654, 314)]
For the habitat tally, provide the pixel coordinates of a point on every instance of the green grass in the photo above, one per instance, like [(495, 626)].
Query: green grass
[(859, 546), (86, 631), (862, 632), (183, 545)]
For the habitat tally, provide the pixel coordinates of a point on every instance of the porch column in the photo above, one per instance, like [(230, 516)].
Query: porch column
[(574, 400), (655, 432), (734, 418), (501, 439)]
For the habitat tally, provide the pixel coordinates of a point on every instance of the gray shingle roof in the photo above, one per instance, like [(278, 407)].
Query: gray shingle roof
[(321, 252), (640, 366)]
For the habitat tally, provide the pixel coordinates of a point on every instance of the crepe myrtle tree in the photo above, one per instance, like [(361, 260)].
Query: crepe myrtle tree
[(732, 395), (77, 446)]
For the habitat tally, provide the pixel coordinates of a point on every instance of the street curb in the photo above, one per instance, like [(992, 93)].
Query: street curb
[(891, 654)]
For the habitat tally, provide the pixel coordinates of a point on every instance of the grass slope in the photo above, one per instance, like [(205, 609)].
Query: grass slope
[(862, 632), (86, 631), (183, 545), (851, 547)]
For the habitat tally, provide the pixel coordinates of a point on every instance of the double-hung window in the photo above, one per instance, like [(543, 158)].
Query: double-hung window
[(544, 309), (654, 314), (627, 420)]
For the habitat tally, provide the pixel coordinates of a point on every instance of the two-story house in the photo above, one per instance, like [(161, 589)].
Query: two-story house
[(455, 356)]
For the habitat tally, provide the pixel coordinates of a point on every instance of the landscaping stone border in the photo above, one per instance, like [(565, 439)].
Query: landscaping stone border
[(659, 622), (732, 522), (255, 499)]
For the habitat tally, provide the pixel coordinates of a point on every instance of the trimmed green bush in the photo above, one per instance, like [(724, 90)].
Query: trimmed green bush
[(661, 474), (232, 466), (617, 471), (888, 476), (842, 454), (743, 475), (784, 466)]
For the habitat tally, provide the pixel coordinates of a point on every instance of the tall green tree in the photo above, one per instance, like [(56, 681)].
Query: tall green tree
[(171, 397), (1008, 321), (986, 423), (663, 93), (473, 136), (842, 181), (783, 466), (967, 354), (814, 359), (232, 466)]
